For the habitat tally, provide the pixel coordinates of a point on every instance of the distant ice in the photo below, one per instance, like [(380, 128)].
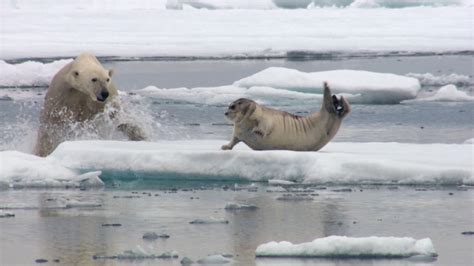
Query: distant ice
[(138, 253), (25, 170), (210, 220), (239, 206), (448, 93), (277, 182), (433, 80), (145, 28), (469, 141), (29, 73), (4, 214), (350, 247), (277, 84), (337, 163), (361, 86), (214, 259)]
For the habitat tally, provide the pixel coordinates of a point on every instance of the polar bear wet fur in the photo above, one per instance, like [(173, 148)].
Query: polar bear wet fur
[(79, 92)]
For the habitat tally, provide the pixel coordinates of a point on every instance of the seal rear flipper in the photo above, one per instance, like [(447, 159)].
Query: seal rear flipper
[(327, 99)]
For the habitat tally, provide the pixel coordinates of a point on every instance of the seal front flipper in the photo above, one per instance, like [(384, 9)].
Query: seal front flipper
[(231, 144)]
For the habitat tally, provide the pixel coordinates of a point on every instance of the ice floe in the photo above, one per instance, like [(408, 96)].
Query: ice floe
[(350, 247), (225, 33), (215, 259), (25, 170), (448, 93), (358, 86), (30, 73), (337, 163), (239, 206), (432, 80), (138, 253), (210, 220), (277, 84)]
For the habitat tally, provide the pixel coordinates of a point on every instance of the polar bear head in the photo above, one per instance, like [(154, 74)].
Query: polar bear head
[(88, 76)]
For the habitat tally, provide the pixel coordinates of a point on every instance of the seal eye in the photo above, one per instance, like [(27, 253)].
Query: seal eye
[(232, 107), (94, 79)]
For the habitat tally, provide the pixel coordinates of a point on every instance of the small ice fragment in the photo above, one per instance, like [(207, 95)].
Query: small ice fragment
[(214, 259), (6, 214), (276, 189), (186, 261), (294, 197), (238, 206), (210, 220), (278, 182), (153, 236)]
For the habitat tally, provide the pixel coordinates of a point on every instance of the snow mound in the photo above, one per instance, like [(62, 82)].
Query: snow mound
[(29, 73), (448, 93), (350, 247), (25, 170), (364, 86), (432, 80), (338, 162)]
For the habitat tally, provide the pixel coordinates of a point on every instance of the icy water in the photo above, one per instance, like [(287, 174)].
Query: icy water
[(75, 235), (43, 228)]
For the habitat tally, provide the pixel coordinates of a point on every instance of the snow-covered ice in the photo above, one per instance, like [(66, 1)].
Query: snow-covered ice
[(25, 170), (338, 162), (448, 93), (358, 86), (280, 84), (146, 29), (350, 247), (30, 73)]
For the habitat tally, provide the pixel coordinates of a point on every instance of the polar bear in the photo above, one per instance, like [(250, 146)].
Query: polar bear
[(78, 93)]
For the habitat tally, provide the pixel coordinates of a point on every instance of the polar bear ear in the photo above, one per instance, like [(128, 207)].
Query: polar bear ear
[(111, 72)]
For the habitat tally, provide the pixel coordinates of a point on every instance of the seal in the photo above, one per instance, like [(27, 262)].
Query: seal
[(264, 128)]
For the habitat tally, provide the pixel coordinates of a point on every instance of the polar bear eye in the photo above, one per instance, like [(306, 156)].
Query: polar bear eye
[(94, 79), (108, 80)]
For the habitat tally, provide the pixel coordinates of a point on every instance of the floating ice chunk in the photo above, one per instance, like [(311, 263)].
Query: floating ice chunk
[(210, 220), (448, 93), (6, 214), (29, 73), (278, 182), (215, 259), (294, 197), (350, 247), (469, 141), (138, 253), (239, 206), (441, 80), (25, 170), (80, 204), (219, 4), (153, 236), (276, 189), (363, 86)]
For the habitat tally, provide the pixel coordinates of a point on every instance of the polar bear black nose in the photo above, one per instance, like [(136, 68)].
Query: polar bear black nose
[(103, 95)]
